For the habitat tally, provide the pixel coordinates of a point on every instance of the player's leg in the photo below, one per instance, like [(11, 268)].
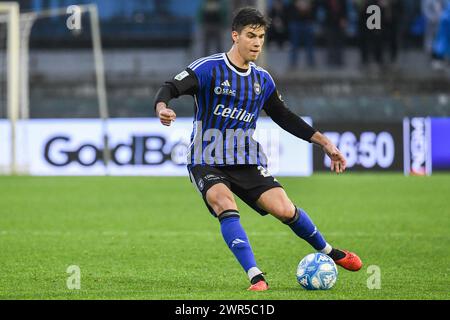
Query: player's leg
[(261, 191), (276, 202), (214, 187), (221, 200)]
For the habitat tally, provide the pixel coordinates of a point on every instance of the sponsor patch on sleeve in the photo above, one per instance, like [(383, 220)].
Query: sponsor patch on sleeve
[(181, 75)]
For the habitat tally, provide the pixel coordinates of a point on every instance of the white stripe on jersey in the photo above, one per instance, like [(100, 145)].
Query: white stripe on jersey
[(264, 70), (204, 58), (203, 62), (197, 61)]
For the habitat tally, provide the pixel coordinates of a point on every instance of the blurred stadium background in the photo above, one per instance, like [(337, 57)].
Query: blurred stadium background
[(382, 96), (343, 76)]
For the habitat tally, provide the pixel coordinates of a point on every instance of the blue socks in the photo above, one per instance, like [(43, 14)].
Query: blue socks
[(303, 227), (235, 237)]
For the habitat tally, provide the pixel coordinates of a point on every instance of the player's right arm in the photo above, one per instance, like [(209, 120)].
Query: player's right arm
[(185, 83), (338, 161)]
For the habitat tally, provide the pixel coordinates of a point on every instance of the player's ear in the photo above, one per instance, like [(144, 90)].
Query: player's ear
[(234, 36)]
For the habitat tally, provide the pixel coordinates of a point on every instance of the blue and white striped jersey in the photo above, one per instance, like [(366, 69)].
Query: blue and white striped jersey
[(228, 101)]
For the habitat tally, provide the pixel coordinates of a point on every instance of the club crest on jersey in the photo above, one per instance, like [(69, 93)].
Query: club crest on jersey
[(257, 88)]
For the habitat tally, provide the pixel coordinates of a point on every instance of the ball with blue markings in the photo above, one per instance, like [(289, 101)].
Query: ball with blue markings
[(317, 271)]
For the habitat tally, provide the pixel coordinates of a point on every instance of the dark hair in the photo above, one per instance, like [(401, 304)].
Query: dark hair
[(249, 17)]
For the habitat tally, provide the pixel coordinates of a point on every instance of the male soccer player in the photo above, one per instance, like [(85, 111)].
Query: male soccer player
[(230, 91)]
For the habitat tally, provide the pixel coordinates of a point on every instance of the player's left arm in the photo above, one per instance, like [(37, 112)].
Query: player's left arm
[(292, 123)]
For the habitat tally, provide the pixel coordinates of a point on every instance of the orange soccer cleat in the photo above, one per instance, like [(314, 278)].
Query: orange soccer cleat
[(350, 262), (259, 286)]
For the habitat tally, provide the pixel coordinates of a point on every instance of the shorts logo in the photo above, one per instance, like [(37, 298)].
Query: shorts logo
[(257, 88), (211, 177), (264, 172), (200, 184)]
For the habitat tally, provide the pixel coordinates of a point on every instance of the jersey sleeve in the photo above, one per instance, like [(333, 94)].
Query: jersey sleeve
[(270, 83), (286, 119), (202, 71), (184, 83)]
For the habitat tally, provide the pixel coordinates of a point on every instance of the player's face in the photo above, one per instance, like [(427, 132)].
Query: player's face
[(249, 42)]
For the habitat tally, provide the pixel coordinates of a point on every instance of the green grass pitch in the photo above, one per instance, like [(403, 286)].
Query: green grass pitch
[(152, 238)]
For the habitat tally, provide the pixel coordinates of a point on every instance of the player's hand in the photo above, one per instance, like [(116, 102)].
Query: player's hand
[(166, 115), (338, 162)]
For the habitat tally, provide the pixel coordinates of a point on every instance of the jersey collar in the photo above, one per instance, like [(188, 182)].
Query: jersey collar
[(232, 67)]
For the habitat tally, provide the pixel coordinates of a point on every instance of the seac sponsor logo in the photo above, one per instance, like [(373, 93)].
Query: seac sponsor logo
[(141, 151), (225, 89)]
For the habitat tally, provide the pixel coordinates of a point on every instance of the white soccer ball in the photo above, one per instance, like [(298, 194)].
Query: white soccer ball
[(317, 271)]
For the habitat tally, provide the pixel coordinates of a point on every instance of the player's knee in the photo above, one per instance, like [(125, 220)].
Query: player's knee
[(285, 212), (225, 205), (221, 202)]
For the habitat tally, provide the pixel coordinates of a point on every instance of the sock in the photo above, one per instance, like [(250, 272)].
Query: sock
[(257, 279), (235, 237), (336, 254), (303, 227)]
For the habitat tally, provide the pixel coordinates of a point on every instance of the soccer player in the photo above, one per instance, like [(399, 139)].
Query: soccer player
[(230, 91)]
